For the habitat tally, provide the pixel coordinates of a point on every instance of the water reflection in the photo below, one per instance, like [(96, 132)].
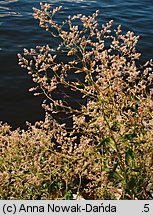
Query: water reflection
[(9, 14), (52, 1), (6, 11), (8, 1)]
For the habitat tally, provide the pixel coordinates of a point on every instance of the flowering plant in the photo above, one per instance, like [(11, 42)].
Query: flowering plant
[(106, 154)]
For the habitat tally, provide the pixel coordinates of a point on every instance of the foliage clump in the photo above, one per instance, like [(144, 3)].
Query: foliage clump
[(107, 153)]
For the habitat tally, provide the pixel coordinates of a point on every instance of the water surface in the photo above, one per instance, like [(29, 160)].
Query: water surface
[(18, 29)]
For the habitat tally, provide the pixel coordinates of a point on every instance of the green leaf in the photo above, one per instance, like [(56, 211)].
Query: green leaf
[(130, 136), (109, 142), (116, 176), (112, 144), (69, 195), (129, 157)]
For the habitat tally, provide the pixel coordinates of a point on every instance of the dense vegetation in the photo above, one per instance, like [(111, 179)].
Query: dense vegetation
[(107, 151)]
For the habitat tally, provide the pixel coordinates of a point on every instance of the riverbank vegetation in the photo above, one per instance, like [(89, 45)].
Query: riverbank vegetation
[(104, 150)]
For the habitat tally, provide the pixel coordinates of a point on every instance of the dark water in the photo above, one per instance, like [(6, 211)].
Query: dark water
[(18, 29)]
